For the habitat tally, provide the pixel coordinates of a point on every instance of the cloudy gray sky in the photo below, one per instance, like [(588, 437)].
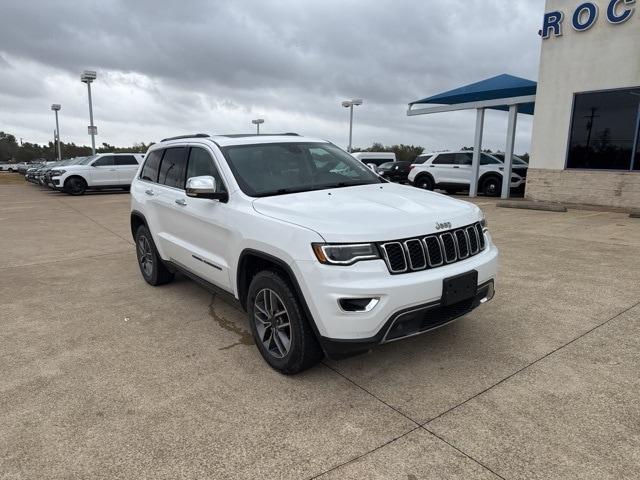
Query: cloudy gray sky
[(166, 68)]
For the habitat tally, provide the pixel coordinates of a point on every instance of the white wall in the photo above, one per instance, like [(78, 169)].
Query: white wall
[(603, 57)]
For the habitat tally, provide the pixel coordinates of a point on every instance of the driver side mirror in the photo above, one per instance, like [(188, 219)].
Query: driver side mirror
[(205, 186)]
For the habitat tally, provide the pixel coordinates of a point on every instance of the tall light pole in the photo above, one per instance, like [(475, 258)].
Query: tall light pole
[(349, 104), (87, 77), (257, 123), (56, 108)]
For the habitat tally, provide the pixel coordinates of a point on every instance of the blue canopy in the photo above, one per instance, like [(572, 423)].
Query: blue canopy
[(502, 86)]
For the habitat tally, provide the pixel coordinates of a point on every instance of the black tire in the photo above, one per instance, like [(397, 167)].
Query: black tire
[(425, 182), (152, 268), (304, 351), (492, 186), (451, 191), (75, 185)]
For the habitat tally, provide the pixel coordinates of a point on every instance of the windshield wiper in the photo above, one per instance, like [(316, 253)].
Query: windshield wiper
[(344, 184), (283, 191)]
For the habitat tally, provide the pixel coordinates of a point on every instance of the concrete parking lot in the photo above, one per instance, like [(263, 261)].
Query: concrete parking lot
[(103, 376)]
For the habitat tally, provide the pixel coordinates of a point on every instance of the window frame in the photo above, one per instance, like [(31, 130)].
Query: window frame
[(132, 156), (93, 164), (189, 147), (184, 180), (453, 159), (212, 158), (571, 121), (146, 159)]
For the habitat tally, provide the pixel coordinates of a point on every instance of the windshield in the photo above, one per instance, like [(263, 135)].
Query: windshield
[(279, 168)]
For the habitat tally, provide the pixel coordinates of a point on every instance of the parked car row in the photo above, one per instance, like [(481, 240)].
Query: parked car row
[(77, 175)]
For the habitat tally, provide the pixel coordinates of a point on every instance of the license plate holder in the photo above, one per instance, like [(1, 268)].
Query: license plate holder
[(459, 288)]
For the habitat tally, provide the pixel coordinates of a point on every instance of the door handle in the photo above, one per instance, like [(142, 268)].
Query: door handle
[(181, 201), (112, 169), (149, 192), (456, 166)]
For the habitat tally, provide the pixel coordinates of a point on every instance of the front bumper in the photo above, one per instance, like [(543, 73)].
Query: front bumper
[(409, 323), (324, 285)]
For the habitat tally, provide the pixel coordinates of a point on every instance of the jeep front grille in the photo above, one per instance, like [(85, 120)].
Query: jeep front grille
[(415, 254)]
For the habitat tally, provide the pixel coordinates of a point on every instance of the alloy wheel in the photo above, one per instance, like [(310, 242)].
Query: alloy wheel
[(75, 185), (145, 256), (272, 323)]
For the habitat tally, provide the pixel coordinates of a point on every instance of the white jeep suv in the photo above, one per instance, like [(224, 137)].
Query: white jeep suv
[(104, 170), (451, 171), (324, 255)]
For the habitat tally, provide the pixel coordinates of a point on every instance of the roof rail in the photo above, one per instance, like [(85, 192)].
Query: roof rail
[(241, 135), (195, 135)]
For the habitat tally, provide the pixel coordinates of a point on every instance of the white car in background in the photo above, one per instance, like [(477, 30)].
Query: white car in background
[(374, 159), (101, 171), (451, 171)]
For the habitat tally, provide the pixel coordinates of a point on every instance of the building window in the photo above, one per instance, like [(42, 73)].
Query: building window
[(604, 130)]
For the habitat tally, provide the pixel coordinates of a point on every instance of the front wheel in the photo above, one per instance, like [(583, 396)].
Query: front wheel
[(75, 185), (280, 330)]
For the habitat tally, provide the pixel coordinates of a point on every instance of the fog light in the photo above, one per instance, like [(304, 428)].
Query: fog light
[(358, 304)]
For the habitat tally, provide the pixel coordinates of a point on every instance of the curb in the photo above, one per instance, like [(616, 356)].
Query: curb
[(531, 205)]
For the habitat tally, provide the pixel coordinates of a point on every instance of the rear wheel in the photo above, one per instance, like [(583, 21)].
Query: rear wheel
[(280, 330), (151, 266), (492, 186), (425, 182), (75, 185)]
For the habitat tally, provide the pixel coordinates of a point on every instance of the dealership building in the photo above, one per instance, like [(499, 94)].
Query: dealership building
[(586, 106), (586, 128)]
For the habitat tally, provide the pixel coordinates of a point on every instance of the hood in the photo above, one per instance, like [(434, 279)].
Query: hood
[(368, 213)]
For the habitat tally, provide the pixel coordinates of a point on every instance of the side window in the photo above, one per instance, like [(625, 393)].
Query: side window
[(173, 167), (422, 159), (445, 159), (125, 160), (201, 163), (106, 161), (488, 160), (464, 158), (150, 169)]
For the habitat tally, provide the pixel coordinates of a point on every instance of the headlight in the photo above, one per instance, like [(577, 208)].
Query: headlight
[(55, 173), (345, 254)]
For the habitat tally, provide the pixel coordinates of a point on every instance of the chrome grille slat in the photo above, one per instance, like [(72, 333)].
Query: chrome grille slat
[(432, 251), (462, 244), (472, 233), (448, 243), (415, 254), (480, 235), (395, 257)]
